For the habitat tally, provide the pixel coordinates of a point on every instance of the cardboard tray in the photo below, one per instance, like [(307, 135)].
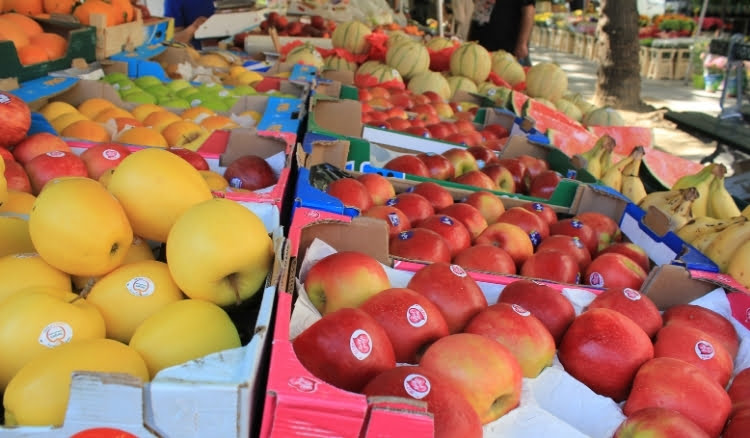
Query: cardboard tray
[(215, 395)]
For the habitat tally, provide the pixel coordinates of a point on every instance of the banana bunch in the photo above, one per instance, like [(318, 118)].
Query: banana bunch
[(623, 176), (599, 158), (675, 204), (714, 201)]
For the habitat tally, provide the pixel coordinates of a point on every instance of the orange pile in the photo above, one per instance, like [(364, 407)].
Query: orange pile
[(32, 43)]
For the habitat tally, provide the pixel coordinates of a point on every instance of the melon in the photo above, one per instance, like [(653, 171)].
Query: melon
[(397, 37), (335, 62), (380, 73), (439, 43), (472, 61), (305, 54), (506, 66), (368, 67), (603, 117), (430, 81), (545, 102), (408, 58), (495, 92), (569, 109), (352, 37), (585, 106), (546, 80), (461, 83)]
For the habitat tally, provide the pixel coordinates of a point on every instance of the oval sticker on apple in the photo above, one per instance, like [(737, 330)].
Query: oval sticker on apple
[(537, 206), (416, 316), (446, 220), (577, 242), (631, 294), (393, 219), (520, 310), (458, 271), (236, 183), (596, 279), (391, 202), (406, 235), (704, 350), (361, 344), (110, 154), (55, 154), (576, 223), (535, 237), (417, 386)]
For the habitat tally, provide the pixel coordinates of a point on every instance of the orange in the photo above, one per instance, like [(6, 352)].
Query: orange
[(26, 7), (32, 55), (91, 107), (182, 132), (63, 121), (197, 111), (213, 123), (161, 119), (29, 25), (124, 122), (86, 130), (111, 113), (123, 10), (9, 31), (55, 45), (143, 110), (59, 6), (142, 136), (84, 11)]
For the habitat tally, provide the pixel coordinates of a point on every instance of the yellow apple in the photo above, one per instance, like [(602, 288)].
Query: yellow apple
[(27, 270)]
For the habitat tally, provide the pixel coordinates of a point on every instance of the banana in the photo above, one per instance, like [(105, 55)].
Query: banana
[(600, 143), (594, 164), (632, 185), (664, 200), (677, 204), (746, 212), (702, 182), (739, 267), (721, 205), (613, 178), (682, 214), (701, 226), (606, 159), (702, 242), (726, 244)]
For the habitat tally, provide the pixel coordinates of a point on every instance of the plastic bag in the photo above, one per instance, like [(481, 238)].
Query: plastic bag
[(440, 60), (378, 48)]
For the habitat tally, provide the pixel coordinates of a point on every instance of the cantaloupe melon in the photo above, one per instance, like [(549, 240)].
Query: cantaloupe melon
[(305, 54), (569, 109), (438, 43), (335, 62), (585, 106), (397, 37), (461, 83), (380, 74), (472, 61), (368, 67), (430, 81), (546, 80), (506, 66), (408, 58), (603, 117), (351, 36)]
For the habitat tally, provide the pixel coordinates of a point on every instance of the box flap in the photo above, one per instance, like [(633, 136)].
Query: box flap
[(519, 145), (246, 141), (342, 77), (594, 199), (670, 285), (334, 152), (86, 89), (343, 117), (363, 234)]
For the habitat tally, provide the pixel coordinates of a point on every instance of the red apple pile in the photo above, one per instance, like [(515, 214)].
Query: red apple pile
[(426, 224), (318, 27), (428, 115)]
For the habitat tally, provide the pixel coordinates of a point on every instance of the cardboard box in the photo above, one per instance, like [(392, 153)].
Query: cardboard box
[(214, 395), (125, 37), (81, 45)]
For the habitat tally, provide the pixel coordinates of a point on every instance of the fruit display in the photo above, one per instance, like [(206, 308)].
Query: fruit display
[(317, 27)]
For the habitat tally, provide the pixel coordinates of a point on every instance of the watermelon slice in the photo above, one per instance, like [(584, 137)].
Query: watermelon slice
[(516, 102), (667, 168), (627, 137), (570, 140), (535, 110)]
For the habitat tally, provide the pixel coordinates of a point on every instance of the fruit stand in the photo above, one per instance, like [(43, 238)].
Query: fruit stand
[(347, 227)]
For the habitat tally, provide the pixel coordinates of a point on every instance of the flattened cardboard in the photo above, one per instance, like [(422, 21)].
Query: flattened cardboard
[(247, 141), (341, 117), (363, 234), (669, 285)]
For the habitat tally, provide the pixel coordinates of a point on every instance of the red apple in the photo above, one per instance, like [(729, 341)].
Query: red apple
[(408, 164), (192, 157), (6, 155), (632, 304), (486, 258), (421, 99), (512, 238), (607, 231), (346, 348), (250, 172), (419, 131), (454, 232), (411, 321), (575, 228), (536, 228), (378, 186), (419, 123), (452, 128), (425, 111), (351, 193), (499, 130), (678, 385), (520, 332), (395, 218), (452, 413), (102, 157), (462, 138), (490, 205), (438, 130), (705, 320), (483, 154), (420, 244), (467, 215), (545, 184), (381, 104), (439, 166), (38, 144), (452, 290), (495, 144), (462, 160), (433, 97), (50, 165), (476, 178), (659, 422), (739, 390), (464, 126), (344, 279), (380, 92), (738, 425), (502, 177), (631, 251), (438, 195), (552, 265), (377, 117), (402, 100), (614, 271), (415, 206), (543, 210), (567, 245), (517, 169), (397, 113), (16, 177), (534, 165), (485, 372), (697, 347), (604, 349), (443, 110), (366, 108), (548, 305), (398, 124), (488, 135)]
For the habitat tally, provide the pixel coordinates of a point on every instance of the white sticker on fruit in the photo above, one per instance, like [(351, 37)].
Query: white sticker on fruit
[(631, 294), (416, 316), (393, 219), (110, 154), (596, 279), (457, 270), (223, 93), (361, 344), (195, 102), (520, 310), (4, 99), (236, 183), (56, 334), (55, 154), (417, 386), (704, 350), (141, 287), (26, 255)]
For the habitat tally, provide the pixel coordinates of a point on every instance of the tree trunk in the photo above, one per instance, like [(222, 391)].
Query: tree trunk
[(618, 78)]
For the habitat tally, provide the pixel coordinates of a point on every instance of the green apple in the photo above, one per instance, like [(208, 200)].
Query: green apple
[(147, 81), (187, 92), (230, 101), (211, 86), (134, 89), (124, 85), (139, 97), (209, 101), (178, 84), (115, 77), (173, 102), (158, 91), (243, 90)]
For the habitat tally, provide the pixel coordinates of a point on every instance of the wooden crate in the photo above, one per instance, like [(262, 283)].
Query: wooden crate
[(123, 37), (661, 63), (579, 44), (682, 63)]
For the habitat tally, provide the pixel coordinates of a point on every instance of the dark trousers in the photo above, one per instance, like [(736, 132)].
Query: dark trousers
[(487, 37)]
